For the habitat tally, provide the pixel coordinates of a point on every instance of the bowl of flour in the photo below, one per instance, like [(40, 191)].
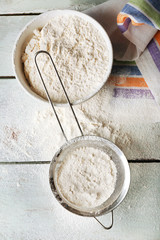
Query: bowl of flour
[(80, 48), (89, 176)]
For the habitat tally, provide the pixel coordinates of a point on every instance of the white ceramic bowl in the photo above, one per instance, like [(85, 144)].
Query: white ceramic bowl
[(39, 22)]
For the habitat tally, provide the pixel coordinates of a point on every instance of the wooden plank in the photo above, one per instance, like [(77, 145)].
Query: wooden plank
[(29, 210), (22, 6), (9, 30), (18, 134), (27, 126)]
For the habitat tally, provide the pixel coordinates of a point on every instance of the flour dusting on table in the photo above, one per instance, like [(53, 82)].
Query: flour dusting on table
[(47, 131), (129, 124)]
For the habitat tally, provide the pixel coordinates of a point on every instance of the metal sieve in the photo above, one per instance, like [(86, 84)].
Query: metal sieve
[(117, 156)]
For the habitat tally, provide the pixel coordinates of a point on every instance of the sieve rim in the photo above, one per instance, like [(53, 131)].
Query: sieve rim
[(93, 212)]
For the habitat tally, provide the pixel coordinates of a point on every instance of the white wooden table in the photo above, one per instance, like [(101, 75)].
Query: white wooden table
[(28, 209)]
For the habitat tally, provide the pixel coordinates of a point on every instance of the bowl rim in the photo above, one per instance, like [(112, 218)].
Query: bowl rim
[(52, 13), (69, 206)]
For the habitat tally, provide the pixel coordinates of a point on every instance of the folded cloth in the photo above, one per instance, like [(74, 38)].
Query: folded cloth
[(139, 20), (137, 24), (133, 29), (149, 65)]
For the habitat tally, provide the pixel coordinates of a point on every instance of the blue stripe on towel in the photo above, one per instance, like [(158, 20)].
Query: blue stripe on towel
[(155, 53), (125, 70), (155, 4), (137, 15)]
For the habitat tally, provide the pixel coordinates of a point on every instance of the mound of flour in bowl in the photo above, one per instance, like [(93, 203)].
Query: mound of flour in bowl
[(87, 177), (80, 54)]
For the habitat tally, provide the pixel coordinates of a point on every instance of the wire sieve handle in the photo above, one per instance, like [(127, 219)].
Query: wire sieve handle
[(48, 96), (107, 228)]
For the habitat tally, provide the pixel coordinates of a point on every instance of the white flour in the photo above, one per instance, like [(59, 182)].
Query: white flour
[(130, 124), (46, 132), (80, 55), (87, 177)]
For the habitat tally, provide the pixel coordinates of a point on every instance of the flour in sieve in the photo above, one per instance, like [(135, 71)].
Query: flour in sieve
[(87, 177), (80, 54)]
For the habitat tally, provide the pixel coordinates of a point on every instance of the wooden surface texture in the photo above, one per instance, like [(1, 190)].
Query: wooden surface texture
[(28, 209)]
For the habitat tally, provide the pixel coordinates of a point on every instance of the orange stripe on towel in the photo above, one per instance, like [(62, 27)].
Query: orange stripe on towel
[(127, 81), (157, 37), (122, 17)]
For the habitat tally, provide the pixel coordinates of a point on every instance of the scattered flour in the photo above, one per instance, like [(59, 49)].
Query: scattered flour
[(80, 55), (47, 132), (130, 124), (87, 177)]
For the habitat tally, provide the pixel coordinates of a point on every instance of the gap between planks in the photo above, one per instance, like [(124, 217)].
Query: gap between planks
[(48, 162), (20, 14), (79, 7), (7, 77)]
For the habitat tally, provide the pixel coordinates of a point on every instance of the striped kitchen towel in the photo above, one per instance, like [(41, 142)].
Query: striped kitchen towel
[(128, 82), (133, 28), (139, 22), (139, 12)]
